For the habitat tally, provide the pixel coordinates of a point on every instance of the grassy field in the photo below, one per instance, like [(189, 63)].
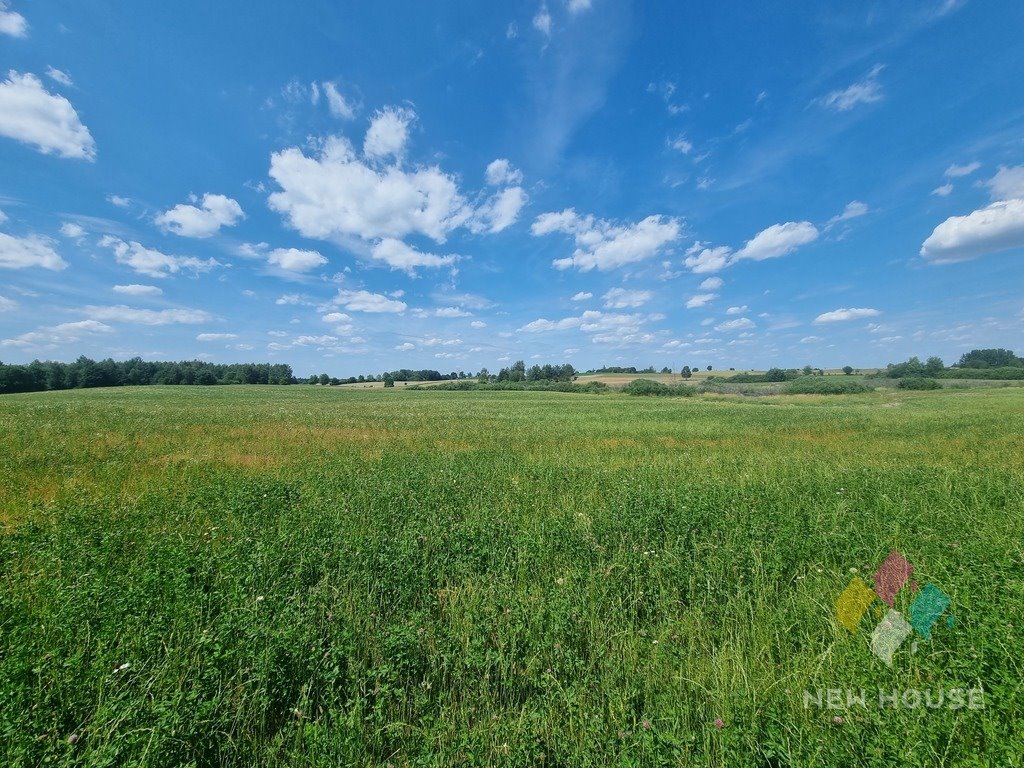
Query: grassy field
[(307, 576)]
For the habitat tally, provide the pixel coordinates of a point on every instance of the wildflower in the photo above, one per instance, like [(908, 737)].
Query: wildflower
[(838, 720), (719, 723)]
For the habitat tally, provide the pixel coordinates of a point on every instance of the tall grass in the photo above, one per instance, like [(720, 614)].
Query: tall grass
[(304, 576)]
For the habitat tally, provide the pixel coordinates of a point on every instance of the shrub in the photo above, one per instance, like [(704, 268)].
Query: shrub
[(918, 382), (646, 387), (822, 385)]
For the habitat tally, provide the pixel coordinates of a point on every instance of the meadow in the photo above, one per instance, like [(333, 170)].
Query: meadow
[(313, 576)]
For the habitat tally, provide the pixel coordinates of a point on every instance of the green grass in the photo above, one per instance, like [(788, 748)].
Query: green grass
[(308, 576)]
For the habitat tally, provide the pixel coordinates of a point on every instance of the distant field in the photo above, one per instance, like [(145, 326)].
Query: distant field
[(344, 576)]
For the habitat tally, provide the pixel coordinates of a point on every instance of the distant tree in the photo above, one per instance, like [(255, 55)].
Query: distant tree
[(483, 377), (709, 367), (388, 381), (775, 374), (324, 379), (990, 358), (934, 366), (686, 372), (847, 369), (666, 369), (807, 371)]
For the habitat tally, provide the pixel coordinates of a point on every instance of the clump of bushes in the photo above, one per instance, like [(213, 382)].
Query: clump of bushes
[(824, 385), (468, 385), (647, 387), (918, 382)]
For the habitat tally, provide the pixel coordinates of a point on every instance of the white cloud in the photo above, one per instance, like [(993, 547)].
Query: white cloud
[(6, 305), (543, 324), (681, 145), (500, 172), (123, 314), (451, 312), (866, 91), (700, 300), (712, 284), (29, 251), (398, 255), (943, 191), (851, 211), (340, 107), (134, 289), (500, 211), (151, 262), (64, 333), (290, 300), (605, 245), (120, 202), (32, 115), (840, 315), (364, 301), (810, 339), (388, 133), (777, 240), (997, 227), (620, 298), (478, 324), (582, 296), (62, 78), (737, 310), (590, 321), (542, 21), (956, 171), (739, 324), (407, 346), (295, 260), (336, 196), (71, 230), (3, 217), (11, 22), (216, 336), (1008, 183), (191, 221), (578, 6), (701, 260)]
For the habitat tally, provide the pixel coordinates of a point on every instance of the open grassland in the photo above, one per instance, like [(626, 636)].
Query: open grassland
[(305, 576)]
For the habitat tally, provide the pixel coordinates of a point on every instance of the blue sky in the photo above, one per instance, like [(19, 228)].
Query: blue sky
[(354, 188)]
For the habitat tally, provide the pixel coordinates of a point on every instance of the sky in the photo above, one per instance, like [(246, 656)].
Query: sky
[(354, 188)]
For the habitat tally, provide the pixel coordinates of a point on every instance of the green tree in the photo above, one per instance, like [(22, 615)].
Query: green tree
[(389, 382), (686, 372), (934, 366), (847, 369)]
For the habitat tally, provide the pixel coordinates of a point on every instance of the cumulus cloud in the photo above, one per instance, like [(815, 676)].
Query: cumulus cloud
[(956, 171), (32, 115), (388, 133), (840, 315), (216, 211), (1008, 183), (712, 284), (51, 336), (364, 301), (295, 260), (120, 202), (29, 251), (852, 210), (500, 172), (737, 310), (406, 347), (739, 324), (500, 211), (700, 259), (943, 191), (777, 240), (216, 336), (71, 230), (151, 262), (397, 255), (866, 91), (699, 300), (996, 227), (478, 324), (336, 196), (11, 22), (603, 244), (134, 289), (590, 321), (582, 296), (124, 314), (451, 312), (620, 298)]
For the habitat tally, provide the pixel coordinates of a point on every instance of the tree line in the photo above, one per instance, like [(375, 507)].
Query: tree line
[(84, 373)]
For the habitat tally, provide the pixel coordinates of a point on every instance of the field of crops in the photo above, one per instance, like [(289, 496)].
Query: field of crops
[(314, 576)]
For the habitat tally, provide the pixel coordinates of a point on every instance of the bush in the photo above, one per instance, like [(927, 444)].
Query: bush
[(823, 385), (918, 382), (646, 387), (998, 374)]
